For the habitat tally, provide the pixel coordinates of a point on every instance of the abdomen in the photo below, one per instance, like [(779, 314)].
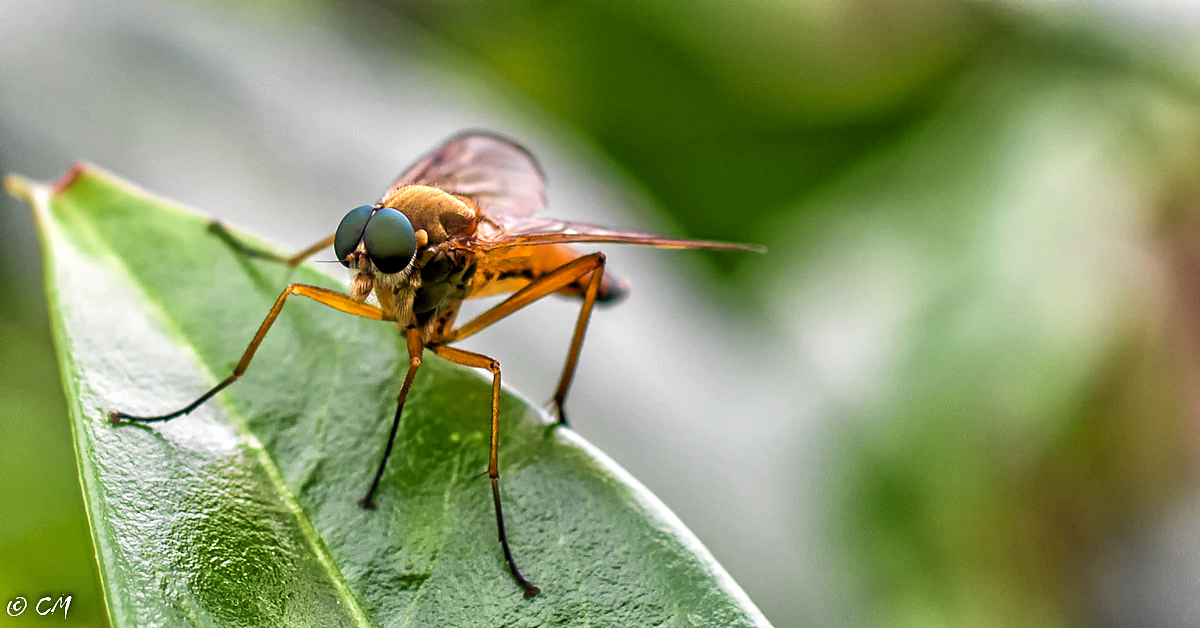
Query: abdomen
[(504, 271)]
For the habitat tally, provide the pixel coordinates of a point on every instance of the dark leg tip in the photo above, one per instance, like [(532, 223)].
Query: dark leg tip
[(531, 590), (114, 418), (556, 407), (368, 503)]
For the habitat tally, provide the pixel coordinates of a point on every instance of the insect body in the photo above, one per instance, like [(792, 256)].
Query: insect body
[(458, 224)]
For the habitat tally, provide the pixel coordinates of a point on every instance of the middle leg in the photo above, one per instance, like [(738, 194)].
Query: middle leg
[(549, 283), (476, 360)]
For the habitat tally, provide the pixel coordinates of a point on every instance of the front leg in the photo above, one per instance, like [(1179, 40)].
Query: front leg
[(415, 349), (333, 299)]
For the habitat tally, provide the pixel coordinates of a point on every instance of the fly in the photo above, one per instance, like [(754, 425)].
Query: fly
[(459, 224)]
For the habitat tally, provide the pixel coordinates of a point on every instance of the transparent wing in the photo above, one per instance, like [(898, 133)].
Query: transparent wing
[(499, 232), (501, 177)]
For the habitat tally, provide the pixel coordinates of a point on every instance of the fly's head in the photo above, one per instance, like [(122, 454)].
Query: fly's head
[(379, 244)]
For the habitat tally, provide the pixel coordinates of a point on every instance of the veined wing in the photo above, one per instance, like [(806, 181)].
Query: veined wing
[(501, 177), (505, 231)]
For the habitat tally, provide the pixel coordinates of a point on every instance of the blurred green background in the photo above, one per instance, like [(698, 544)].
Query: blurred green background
[(959, 390)]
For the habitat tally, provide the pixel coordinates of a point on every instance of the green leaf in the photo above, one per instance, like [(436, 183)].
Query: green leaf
[(244, 512)]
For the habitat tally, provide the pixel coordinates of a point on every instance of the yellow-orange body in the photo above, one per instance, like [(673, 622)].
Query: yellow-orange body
[(450, 266)]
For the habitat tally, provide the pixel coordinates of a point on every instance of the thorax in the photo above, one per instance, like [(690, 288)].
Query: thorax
[(428, 293)]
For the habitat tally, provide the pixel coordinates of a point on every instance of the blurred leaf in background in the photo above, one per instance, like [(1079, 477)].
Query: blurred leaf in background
[(726, 113), (971, 348), (967, 251)]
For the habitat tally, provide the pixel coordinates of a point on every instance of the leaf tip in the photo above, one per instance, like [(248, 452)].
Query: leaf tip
[(24, 189), (18, 187), (68, 178)]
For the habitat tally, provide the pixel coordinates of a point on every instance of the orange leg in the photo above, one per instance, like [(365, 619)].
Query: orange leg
[(476, 360), (249, 251), (549, 283), (333, 299)]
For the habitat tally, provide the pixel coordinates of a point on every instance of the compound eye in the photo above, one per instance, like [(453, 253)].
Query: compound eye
[(390, 240), (349, 232)]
